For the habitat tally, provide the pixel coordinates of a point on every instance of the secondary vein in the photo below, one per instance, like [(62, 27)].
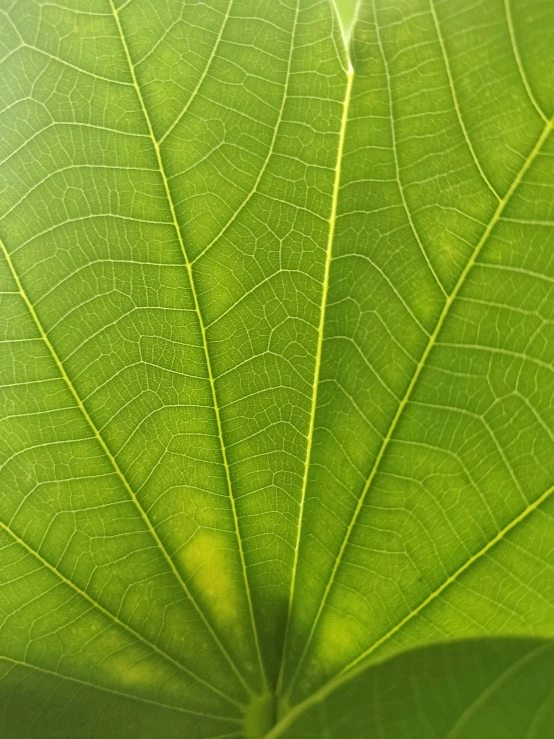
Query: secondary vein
[(122, 624), (317, 369), (113, 691), (188, 265)]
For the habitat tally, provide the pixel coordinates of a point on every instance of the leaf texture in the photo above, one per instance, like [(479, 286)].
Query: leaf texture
[(276, 360), (428, 506), (496, 688)]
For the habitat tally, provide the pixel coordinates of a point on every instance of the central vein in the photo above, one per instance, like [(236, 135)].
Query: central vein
[(317, 369)]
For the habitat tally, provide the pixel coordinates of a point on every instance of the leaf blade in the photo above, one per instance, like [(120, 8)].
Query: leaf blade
[(344, 593), (105, 282)]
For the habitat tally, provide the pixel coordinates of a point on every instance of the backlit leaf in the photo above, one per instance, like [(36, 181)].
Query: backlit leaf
[(276, 365)]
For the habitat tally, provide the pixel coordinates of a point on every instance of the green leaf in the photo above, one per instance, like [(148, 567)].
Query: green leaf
[(276, 360), (496, 688), (435, 414)]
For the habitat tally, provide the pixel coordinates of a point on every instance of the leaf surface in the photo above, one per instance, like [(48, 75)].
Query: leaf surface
[(495, 688), (276, 354), (428, 508)]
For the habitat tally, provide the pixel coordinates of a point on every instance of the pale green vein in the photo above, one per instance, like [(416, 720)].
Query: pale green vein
[(271, 149), (456, 103), (520, 67), (112, 617), (317, 368), (113, 691), (99, 438), (65, 63), (396, 162), (203, 75), (202, 327), (421, 364)]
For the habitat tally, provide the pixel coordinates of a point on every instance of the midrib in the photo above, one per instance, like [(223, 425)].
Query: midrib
[(317, 367)]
